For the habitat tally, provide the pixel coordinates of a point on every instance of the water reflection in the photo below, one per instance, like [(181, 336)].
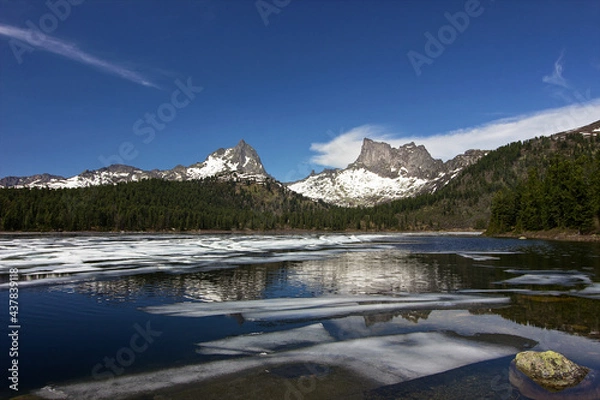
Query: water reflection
[(348, 273), (244, 283), (573, 315), (560, 306), (375, 273)]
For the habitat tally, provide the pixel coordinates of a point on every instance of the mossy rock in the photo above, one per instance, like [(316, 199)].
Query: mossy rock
[(550, 369)]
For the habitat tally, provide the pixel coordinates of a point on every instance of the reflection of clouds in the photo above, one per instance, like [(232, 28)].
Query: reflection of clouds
[(373, 272)]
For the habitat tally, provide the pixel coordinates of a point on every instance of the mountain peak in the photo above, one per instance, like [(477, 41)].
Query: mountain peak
[(241, 159), (382, 173), (408, 159)]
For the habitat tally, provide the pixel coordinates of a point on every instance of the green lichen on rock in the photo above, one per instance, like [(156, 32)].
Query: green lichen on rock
[(550, 369)]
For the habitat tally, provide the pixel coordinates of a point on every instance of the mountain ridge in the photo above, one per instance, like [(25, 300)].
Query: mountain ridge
[(382, 173), (379, 175), (239, 162), (549, 182)]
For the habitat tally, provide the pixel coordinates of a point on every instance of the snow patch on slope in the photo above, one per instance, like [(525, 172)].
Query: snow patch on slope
[(352, 187)]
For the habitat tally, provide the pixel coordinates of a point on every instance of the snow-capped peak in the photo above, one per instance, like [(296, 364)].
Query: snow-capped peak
[(383, 173), (239, 162)]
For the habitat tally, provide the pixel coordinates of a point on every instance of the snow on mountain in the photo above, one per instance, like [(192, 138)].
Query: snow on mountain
[(239, 162), (356, 187), (382, 173)]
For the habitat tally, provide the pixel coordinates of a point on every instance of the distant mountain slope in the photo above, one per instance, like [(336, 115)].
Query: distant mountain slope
[(382, 173), (466, 201), (239, 162), (559, 174)]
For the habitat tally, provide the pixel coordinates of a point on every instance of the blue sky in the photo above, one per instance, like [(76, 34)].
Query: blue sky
[(157, 83)]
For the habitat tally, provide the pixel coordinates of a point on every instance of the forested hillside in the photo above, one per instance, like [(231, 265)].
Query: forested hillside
[(564, 194), (157, 205), (567, 163), (540, 184)]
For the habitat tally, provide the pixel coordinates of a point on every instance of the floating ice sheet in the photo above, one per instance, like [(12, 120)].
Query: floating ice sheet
[(592, 291), (55, 259), (286, 309), (543, 279), (385, 359), (485, 255), (265, 343)]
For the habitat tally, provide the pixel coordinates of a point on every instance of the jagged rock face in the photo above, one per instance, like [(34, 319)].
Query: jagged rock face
[(11, 181), (382, 173), (242, 158), (407, 160), (461, 161), (241, 161)]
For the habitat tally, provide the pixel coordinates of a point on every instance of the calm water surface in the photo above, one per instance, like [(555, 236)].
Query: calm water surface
[(293, 316)]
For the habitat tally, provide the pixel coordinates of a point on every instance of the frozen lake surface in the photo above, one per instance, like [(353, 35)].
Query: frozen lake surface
[(312, 315)]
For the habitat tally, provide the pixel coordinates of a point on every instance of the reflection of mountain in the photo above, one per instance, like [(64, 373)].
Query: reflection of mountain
[(347, 273), (243, 283), (374, 272), (573, 315), (412, 316)]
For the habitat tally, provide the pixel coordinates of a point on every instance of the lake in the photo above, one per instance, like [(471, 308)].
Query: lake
[(296, 316)]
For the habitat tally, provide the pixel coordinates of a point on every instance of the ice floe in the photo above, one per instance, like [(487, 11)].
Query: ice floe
[(548, 278), (288, 309), (592, 291), (384, 359), (48, 259), (265, 343)]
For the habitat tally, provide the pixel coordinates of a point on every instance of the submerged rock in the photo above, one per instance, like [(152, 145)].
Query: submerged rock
[(549, 369), (587, 389)]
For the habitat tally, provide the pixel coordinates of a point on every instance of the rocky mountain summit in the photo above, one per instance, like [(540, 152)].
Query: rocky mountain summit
[(239, 162), (382, 173), (407, 160)]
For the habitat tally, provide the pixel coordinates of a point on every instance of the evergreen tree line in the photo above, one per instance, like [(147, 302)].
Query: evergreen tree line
[(566, 195), (543, 183), (210, 204), (158, 205)]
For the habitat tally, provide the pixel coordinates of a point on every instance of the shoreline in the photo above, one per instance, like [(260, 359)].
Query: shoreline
[(238, 232), (561, 236), (555, 235)]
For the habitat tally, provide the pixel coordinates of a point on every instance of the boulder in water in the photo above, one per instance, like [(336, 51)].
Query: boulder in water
[(549, 369)]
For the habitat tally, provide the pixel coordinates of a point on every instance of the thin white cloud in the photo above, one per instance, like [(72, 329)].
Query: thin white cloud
[(345, 148), (71, 51), (556, 78)]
